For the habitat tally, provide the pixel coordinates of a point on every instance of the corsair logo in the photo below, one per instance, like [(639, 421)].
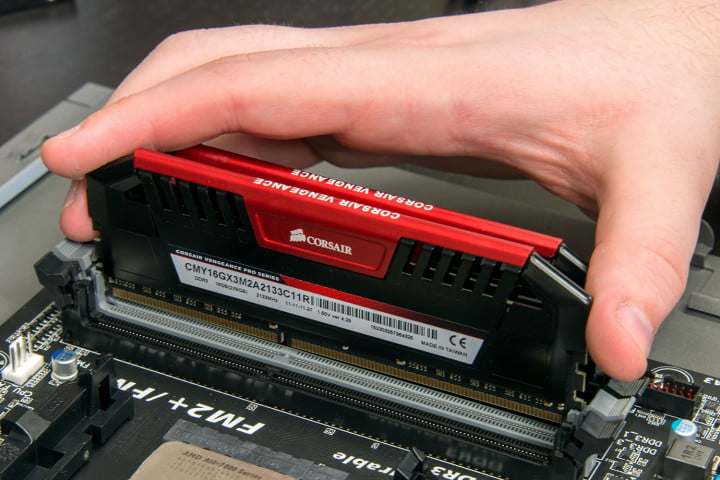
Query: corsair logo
[(298, 236)]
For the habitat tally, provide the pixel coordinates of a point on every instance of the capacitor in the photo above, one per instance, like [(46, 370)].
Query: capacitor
[(682, 429), (64, 365)]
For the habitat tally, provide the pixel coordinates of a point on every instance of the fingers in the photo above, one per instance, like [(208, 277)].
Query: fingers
[(188, 50), (245, 97), (184, 51), (646, 233), (360, 96), (377, 95), (74, 220)]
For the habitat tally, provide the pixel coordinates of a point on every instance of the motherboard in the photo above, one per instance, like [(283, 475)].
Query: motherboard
[(281, 430)]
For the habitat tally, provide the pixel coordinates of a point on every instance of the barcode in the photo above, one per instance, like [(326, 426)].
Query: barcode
[(377, 318)]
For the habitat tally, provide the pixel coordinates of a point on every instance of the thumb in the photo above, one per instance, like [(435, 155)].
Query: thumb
[(646, 233)]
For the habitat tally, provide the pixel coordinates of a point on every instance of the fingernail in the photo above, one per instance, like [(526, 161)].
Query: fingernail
[(637, 325), (72, 193), (67, 132)]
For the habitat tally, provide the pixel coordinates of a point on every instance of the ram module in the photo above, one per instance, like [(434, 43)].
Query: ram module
[(548, 246), (468, 307)]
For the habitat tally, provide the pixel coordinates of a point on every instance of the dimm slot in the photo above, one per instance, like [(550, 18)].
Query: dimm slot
[(390, 389)]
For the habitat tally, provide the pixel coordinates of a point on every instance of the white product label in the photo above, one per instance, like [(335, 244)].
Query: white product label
[(270, 290)]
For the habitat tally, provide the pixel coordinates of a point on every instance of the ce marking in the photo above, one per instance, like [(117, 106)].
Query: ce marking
[(457, 341)]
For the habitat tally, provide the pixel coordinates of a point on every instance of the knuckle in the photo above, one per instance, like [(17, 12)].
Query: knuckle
[(667, 262), (178, 42)]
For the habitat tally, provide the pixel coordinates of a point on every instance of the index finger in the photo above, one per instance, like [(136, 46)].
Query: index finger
[(364, 98), (184, 51)]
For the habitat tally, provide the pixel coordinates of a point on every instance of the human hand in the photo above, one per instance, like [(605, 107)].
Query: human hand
[(612, 105)]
